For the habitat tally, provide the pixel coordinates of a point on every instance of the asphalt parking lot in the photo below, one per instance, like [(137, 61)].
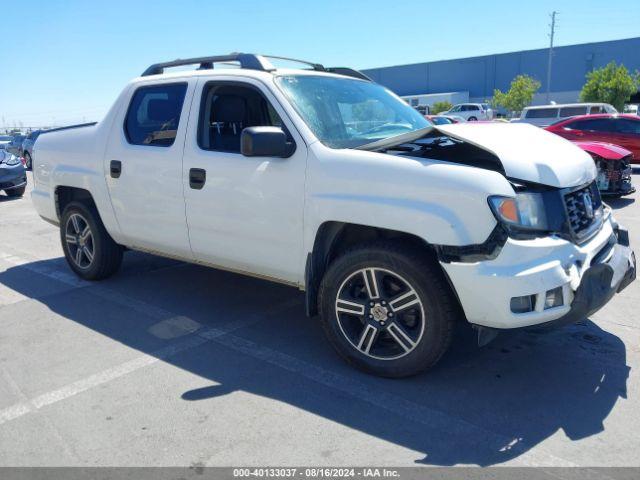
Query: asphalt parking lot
[(168, 363)]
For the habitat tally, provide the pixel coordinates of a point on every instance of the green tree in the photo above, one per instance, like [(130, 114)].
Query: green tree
[(438, 107), (519, 95), (610, 84)]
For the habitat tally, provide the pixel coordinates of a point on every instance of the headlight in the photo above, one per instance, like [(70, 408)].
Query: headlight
[(525, 210), (12, 161)]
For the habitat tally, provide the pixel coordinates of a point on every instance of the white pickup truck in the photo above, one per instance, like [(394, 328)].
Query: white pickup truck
[(321, 179)]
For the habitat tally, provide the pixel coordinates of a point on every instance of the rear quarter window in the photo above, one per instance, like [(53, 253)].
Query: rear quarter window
[(542, 113), (154, 115)]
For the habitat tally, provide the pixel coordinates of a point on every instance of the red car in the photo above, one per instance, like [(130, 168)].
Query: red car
[(623, 130), (614, 168)]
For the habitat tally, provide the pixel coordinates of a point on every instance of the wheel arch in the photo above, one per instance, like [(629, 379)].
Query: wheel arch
[(334, 237), (64, 195)]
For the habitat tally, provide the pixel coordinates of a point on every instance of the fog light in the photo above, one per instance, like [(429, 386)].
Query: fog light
[(553, 298), (523, 304)]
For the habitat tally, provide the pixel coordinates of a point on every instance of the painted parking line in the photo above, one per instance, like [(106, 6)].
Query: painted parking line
[(394, 404), (22, 408)]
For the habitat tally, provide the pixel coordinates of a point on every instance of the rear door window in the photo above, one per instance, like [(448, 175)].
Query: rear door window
[(573, 111), (154, 115), (542, 113)]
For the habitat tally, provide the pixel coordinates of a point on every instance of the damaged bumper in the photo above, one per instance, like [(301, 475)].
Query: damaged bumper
[(579, 279), (615, 181), (600, 283)]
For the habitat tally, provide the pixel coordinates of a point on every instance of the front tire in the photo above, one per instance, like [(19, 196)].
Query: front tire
[(28, 161), (387, 309), (89, 249), (473, 119)]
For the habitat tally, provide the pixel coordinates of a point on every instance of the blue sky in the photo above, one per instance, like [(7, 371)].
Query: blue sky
[(73, 57)]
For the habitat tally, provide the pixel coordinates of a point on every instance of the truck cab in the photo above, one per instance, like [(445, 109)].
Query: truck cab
[(323, 180)]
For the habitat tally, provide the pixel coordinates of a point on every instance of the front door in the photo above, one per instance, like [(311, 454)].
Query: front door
[(143, 166), (243, 213)]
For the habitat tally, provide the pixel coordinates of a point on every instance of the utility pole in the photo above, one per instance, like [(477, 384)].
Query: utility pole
[(551, 35)]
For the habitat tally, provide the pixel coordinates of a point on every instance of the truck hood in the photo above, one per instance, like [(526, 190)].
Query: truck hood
[(528, 153)]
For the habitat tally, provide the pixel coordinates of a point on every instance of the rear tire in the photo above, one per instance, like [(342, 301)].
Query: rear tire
[(15, 192), (89, 249), (387, 309)]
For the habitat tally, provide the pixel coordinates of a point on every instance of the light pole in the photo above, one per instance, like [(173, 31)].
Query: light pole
[(551, 35)]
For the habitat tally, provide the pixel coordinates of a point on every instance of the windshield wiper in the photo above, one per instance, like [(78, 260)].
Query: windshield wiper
[(396, 140)]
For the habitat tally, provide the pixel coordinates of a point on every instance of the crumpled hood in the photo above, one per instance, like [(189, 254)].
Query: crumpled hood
[(528, 153)]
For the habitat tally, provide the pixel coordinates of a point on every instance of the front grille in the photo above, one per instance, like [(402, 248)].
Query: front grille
[(584, 210)]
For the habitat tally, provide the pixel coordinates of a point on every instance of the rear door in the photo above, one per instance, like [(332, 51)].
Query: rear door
[(143, 166)]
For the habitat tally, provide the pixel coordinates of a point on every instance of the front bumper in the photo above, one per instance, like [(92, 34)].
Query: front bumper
[(600, 283), (589, 275), (12, 177)]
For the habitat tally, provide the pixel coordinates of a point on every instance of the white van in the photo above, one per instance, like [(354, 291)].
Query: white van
[(544, 115)]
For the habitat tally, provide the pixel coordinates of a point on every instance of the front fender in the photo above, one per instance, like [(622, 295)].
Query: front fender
[(441, 202)]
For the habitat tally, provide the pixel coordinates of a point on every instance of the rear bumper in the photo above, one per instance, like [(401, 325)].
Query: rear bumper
[(589, 275)]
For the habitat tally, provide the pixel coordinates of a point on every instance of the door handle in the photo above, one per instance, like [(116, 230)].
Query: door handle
[(197, 178), (115, 168)]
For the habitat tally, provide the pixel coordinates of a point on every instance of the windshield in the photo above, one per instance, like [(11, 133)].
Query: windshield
[(348, 113), (5, 138)]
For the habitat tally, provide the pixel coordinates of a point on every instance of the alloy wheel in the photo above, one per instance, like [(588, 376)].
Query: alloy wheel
[(380, 313), (79, 241)]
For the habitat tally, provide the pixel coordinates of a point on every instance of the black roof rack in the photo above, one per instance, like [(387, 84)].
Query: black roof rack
[(249, 61), (246, 60)]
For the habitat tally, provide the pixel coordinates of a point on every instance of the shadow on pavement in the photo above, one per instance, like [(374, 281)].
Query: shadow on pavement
[(617, 203), (478, 406)]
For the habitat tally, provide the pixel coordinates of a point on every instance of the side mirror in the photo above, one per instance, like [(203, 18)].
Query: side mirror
[(265, 142)]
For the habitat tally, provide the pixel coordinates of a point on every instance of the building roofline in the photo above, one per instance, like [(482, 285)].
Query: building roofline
[(558, 47)]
